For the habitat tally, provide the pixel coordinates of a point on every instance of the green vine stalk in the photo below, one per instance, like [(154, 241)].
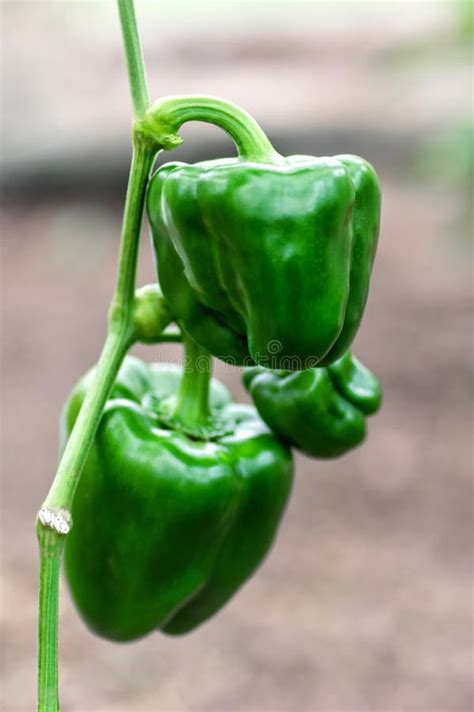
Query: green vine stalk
[(54, 518)]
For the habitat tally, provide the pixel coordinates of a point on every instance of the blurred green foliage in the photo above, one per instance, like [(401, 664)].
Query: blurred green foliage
[(464, 21)]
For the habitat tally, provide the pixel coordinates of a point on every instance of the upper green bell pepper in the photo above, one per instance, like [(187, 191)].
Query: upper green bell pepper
[(320, 411), (166, 526), (267, 263)]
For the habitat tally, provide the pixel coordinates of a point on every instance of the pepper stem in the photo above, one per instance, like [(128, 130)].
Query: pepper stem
[(164, 119), (134, 57), (51, 545), (192, 406), (125, 320)]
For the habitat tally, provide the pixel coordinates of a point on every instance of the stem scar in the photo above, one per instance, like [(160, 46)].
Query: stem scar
[(58, 519)]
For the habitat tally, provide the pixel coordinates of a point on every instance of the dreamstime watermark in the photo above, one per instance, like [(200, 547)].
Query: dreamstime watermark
[(272, 359)]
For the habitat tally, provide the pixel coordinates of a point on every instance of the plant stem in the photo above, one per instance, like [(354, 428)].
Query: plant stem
[(165, 118), (134, 55), (54, 518), (119, 339), (62, 491), (51, 545), (192, 405), (142, 162)]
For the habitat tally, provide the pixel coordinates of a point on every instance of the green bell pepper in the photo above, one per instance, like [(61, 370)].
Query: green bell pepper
[(267, 262), (320, 411), (167, 525)]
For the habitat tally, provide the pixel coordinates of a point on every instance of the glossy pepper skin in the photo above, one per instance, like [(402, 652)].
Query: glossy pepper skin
[(267, 263), (319, 411), (166, 527)]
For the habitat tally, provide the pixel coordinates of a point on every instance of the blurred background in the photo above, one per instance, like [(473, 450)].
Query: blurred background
[(364, 604)]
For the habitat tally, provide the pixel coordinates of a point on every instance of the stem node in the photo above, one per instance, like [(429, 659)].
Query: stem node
[(59, 520)]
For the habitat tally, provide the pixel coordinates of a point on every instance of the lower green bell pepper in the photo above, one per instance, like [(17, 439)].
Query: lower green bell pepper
[(167, 525), (320, 411)]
